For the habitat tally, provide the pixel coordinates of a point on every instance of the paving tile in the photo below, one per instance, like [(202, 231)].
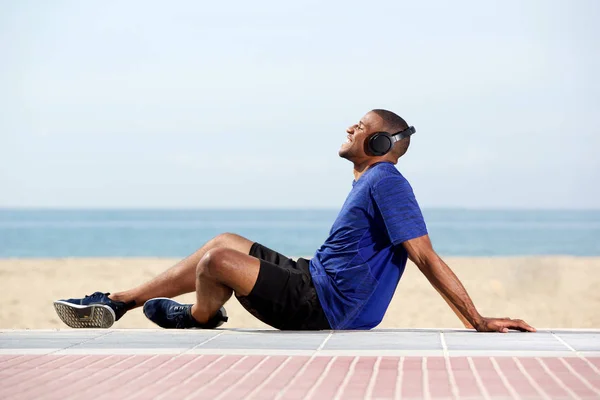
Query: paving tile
[(150, 339), (383, 340), (345, 375), (581, 341), (46, 339), (515, 341), (267, 340), (385, 383)]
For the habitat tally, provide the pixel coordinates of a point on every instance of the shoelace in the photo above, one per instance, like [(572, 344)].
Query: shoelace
[(95, 295)]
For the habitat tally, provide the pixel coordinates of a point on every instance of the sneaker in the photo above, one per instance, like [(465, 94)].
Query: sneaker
[(170, 314), (93, 311)]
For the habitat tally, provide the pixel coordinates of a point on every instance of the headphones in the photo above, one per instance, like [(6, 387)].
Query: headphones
[(380, 143)]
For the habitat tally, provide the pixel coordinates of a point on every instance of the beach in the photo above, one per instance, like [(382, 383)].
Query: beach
[(546, 291)]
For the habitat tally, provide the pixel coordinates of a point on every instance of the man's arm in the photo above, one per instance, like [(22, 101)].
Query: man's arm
[(462, 318), (447, 284)]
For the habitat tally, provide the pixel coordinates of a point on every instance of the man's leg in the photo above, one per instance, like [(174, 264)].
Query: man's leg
[(100, 311), (182, 277), (274, 288), (219, 273)]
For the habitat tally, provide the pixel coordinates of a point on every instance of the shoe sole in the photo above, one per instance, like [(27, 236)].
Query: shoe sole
[(91, 316)]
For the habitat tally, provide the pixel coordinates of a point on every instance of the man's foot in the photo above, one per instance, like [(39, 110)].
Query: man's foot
[(93, 311), (170, 314)]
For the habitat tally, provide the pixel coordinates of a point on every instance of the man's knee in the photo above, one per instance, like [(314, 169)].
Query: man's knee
[(223, 239), (231, 268), (212, 264), (231, 241)]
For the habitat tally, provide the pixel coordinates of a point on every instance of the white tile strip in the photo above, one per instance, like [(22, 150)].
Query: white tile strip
[(504, 380), (134, 351), (295, 352), (165, 394), (257, 352), (478, 380), (177, 356), (296, 377), (581, 378), (373, 379), (322, 377), (92, 378), (581, 355), (247, 375), (592, 366), (17, 356), (531, 381), (426, 393), (376, 353), (113, 377), (349, 373), (194, 394), (559, 382), (272, 375), (25, 383), (399, 378), (166, 377), (451, 379), (113, 388)]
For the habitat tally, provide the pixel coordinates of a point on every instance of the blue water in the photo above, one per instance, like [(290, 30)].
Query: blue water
[(177, 233)]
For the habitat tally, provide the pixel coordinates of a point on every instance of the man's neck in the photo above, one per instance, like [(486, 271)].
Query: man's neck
[(361, 168)]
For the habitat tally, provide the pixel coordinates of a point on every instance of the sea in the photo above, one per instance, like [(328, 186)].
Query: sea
[(177, 233)]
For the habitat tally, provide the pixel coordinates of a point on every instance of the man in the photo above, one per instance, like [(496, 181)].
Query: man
[(349, 282)]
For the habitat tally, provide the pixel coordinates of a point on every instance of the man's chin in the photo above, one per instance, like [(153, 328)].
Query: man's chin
[(345, 151)]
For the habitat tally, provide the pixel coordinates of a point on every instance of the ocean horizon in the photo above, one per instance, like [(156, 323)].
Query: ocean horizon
[(54, 233)]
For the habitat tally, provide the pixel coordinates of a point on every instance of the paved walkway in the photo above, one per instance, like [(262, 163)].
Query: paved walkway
[(234, 364)]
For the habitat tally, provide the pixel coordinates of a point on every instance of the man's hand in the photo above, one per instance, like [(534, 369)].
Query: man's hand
[(503, 325)]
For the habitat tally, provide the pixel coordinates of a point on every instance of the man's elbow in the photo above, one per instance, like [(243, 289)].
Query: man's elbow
[(420, 251), (426, 262)]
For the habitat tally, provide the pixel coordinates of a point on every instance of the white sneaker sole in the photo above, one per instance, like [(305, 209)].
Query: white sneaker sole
[(92, 316)]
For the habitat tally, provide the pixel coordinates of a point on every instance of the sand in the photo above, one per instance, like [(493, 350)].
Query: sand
[(547, 292)]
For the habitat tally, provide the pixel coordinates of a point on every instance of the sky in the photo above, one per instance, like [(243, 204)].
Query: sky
[(242, 104)]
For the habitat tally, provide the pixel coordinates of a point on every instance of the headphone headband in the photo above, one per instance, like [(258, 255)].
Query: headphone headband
[(403, 134)]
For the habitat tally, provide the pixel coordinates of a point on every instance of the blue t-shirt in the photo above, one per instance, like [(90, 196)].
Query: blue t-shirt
[(357, 269)]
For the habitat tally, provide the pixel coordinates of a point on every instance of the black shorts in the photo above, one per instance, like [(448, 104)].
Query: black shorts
[(284, 295)]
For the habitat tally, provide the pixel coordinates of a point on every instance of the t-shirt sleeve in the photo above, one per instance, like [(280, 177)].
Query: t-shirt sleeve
[(398, 206)]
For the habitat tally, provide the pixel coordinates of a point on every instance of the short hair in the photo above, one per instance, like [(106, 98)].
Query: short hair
[(393, 123)]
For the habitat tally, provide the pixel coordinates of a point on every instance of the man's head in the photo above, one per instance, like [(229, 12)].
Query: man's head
[(355, 149)]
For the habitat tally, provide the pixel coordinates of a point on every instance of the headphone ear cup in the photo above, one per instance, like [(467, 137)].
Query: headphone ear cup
[(380, 143)]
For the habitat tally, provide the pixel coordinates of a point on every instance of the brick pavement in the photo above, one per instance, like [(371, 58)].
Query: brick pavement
[(327, 365)]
